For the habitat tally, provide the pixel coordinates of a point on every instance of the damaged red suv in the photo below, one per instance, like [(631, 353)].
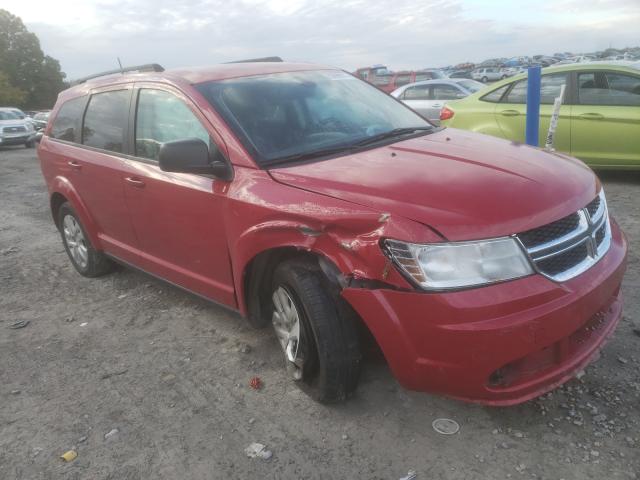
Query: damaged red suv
[(307, 199)]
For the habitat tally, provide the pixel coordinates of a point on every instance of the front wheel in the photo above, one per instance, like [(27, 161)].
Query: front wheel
[(485, 79), (316, 330), (29, 144)]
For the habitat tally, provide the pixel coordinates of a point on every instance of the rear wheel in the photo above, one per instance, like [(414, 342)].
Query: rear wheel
[(316, 331), (485, 79), (85, 258)]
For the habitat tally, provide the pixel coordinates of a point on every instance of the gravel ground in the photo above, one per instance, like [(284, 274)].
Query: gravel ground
[(146, 381)]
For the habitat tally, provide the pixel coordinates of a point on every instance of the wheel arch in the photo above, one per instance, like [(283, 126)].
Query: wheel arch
[(257, 273), (63, 191), (260, 270)]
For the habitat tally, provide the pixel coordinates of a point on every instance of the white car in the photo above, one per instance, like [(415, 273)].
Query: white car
[(15, 130), (430, 96), (490, 74)]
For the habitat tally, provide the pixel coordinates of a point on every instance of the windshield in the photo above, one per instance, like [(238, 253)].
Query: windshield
[(285, 115), (8, 116)]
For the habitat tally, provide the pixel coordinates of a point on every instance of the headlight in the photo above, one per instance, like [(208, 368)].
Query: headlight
[(461, 264)]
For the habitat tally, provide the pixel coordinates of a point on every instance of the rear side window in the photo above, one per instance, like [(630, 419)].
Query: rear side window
[(163, 117), (106, 120), (446, 92), (608, 88), (419, 92), (66, 125)]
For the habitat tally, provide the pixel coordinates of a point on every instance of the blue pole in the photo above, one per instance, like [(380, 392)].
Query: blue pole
[(533, 106)]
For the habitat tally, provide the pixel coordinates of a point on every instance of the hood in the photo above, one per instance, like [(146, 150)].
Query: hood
[(462, 184)]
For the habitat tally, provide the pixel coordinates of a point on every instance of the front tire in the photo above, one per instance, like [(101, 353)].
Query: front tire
[(316, 330), (88, 261), (485, 79), (29, 144)]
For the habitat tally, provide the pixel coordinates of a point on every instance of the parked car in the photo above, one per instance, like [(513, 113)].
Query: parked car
[(389, 81), (305, 198), (460, 74), (490, 74), (599, 120), (15, 130), (427, 98), (40, 120), (511, 71)]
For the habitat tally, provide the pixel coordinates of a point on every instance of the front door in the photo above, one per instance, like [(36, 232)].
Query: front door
[(605, 122), (178, 217), (511, 112)]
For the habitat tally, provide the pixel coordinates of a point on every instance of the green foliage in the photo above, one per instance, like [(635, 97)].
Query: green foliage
[(27, 69), (10, 95)]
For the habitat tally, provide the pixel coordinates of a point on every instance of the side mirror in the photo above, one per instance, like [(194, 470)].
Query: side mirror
[(192, 156)]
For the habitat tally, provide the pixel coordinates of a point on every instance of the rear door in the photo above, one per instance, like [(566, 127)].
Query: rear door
[(511, 112), (418, 97), (178, 217), (605, 122), (95, 166)]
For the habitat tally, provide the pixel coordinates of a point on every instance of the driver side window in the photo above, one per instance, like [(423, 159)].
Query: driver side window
[(162, 117)]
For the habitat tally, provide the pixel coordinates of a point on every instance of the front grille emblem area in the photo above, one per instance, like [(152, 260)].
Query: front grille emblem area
[(564, 249)]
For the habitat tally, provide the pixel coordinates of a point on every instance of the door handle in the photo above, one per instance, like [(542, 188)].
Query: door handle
[(591, 116), (437, 105), (136, 182), (74, 165), (510, 113)]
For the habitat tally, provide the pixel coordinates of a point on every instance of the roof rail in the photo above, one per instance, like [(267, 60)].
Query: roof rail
[(263, 59), (149, 67)]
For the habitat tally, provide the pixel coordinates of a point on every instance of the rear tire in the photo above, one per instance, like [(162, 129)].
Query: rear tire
[(485, 79), (327, 350), (88, 261)]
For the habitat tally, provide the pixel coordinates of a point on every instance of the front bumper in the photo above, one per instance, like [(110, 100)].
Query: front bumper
[(501, 344)]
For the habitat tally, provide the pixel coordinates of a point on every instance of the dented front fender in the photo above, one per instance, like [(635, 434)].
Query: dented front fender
[(265, 215)]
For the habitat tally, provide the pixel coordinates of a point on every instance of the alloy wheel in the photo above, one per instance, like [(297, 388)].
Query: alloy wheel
[(75, 241), (287, 325)]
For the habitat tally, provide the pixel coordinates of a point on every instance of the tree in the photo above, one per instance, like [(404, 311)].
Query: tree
[(25, 66), (10, 95)]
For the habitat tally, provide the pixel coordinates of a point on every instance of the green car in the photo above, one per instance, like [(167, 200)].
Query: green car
[(599, 120)]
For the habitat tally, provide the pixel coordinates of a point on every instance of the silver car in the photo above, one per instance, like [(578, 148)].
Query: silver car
[(15, 130), (485, 75), (428, 97)]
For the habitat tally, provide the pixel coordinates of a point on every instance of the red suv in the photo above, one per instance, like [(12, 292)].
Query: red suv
[(308, 199)]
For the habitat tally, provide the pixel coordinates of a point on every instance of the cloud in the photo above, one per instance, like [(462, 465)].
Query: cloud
[(88, 37)]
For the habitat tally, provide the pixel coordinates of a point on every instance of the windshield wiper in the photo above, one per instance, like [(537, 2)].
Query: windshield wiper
[(396, 132), (309, 155)]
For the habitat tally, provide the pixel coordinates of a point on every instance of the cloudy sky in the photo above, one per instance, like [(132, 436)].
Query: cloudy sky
[(87, 36)]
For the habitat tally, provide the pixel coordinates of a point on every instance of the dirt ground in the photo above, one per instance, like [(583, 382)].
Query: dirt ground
[(171, 373)]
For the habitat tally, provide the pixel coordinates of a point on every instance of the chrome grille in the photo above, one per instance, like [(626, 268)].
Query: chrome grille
[(14, 129), (554, 230), (567, 247)]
